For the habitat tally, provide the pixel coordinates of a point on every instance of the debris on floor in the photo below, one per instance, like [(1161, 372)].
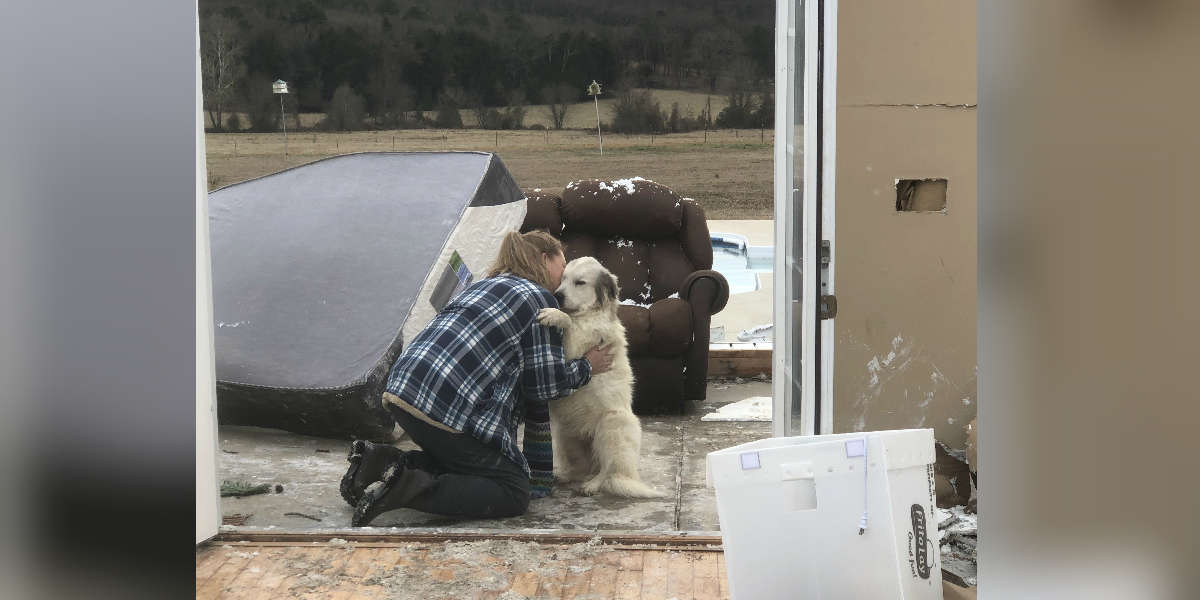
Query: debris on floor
[(237, 519), (952, 477), (243, 488), (300, 514), (755, 408), (760, 333), (958, 533), (971, 453), (493, 569), (716, 333)]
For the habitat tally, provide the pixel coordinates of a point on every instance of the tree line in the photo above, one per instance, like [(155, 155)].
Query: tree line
[(384, 63)]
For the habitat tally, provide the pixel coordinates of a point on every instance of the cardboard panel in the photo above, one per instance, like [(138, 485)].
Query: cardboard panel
[(906, 281), (911, 52)]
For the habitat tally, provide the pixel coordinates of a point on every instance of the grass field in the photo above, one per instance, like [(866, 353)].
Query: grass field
[(583, 114), (579, 116), (729, 173)]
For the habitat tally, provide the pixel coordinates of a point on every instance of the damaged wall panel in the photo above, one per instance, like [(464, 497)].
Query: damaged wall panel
[(911, 53), (906, 287), (921, 195)]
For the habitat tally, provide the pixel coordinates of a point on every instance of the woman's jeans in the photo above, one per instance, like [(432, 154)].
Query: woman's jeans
[(467, 477)]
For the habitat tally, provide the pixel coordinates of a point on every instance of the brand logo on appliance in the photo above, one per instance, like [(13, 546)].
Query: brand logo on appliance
[(920, 542)]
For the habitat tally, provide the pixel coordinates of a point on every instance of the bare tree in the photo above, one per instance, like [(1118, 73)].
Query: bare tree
[(558, 98), (221, 67), (675, 55), (713, 51), (345, 111), (485, 116), (514, 111)]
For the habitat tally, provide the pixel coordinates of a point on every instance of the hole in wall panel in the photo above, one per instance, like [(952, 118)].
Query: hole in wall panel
[(921, 195)]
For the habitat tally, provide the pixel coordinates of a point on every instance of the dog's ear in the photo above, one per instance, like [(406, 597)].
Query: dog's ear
[(608, 289)]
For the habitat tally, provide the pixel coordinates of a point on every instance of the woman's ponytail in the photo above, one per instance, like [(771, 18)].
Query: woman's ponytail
[(522, 255)]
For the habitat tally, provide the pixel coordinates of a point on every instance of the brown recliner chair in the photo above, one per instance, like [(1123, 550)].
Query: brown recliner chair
[(658, 246)]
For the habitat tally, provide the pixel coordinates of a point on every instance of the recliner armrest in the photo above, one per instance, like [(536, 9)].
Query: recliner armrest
[(706, 287)]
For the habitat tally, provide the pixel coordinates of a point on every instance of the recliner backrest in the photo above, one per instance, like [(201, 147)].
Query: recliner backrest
[(643, 232)]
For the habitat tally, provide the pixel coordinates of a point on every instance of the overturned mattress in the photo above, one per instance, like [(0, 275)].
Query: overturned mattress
[(321, 272)]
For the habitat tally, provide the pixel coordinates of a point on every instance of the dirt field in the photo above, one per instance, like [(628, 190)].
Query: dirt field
[(729, 173)]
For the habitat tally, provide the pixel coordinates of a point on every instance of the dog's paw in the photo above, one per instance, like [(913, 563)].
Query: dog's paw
[(553, 317), (592, 486)]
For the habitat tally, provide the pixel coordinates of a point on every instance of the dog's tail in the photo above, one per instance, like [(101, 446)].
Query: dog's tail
[(631, 488)]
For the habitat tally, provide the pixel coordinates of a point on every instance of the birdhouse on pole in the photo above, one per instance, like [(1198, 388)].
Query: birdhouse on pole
[(594, 91), (280, 87)]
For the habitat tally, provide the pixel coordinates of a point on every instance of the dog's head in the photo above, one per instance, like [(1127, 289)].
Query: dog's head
[(587, 285)]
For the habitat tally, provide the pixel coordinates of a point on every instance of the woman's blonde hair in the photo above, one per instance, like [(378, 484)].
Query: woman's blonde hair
[(521, 254)]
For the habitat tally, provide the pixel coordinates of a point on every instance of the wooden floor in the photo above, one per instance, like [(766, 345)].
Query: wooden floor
[(498, 569)]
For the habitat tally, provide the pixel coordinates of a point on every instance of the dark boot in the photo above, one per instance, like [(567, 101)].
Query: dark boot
[(368, 461), (399, 485)]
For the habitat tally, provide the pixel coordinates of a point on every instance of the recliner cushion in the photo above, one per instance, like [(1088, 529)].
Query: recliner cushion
[(663, 330), (543, 210), (694, 236), (669, 266), (670, 327), (635, 208)]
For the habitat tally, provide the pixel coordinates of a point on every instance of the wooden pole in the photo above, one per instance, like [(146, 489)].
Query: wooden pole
[(598, 133), (283, 122)]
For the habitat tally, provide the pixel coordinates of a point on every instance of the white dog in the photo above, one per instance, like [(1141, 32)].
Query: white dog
[(596, 435)]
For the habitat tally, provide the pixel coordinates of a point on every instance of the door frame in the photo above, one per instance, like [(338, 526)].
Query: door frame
[(816, 216), (208, 500)]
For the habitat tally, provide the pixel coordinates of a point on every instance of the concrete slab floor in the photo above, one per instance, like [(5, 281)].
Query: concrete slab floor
[(673, 455)]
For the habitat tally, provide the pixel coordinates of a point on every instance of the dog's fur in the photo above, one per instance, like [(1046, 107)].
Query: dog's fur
[(597, 438)]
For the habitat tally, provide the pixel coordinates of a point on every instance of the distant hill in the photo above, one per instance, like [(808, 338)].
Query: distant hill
[(388, 58)]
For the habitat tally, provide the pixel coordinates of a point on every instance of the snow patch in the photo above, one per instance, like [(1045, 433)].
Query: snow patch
[(755, 408), (873, 369), (958, 535), (761, 333)]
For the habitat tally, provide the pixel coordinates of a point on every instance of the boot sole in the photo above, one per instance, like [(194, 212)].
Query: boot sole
[(364, 510), (357, 449)]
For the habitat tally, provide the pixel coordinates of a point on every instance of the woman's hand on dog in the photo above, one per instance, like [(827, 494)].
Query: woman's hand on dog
[(600, 358)]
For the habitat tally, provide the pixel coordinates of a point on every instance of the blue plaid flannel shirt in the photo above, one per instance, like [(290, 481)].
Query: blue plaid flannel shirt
[(482, 357)]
